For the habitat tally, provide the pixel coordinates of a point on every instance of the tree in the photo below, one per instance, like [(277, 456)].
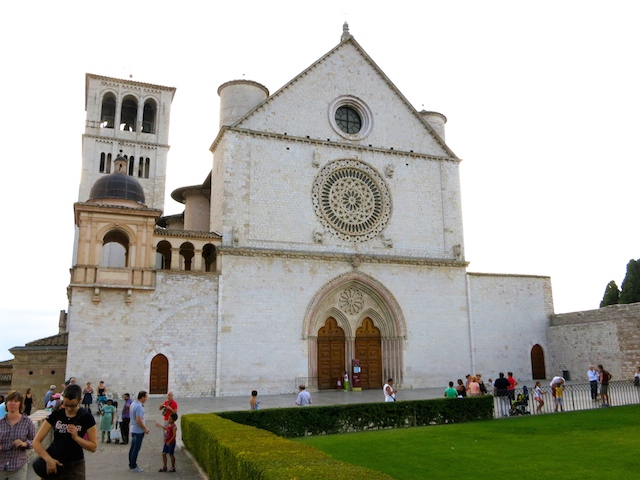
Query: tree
[(630, 291), (611, 295)]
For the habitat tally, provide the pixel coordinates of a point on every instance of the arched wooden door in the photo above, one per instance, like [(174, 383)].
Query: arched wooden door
[(159, 377), (369, 352), (538, 369), (330, 354)]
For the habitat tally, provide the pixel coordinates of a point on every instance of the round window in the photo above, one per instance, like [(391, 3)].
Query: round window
[(348, 120), (350, 117)]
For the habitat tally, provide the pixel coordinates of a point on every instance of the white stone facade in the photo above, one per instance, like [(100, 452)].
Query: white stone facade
[(331, 200)]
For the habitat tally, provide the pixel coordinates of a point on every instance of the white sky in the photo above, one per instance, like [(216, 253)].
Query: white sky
[(542, 100)]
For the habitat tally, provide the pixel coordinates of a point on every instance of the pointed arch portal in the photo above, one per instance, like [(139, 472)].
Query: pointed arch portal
[(354, 316)]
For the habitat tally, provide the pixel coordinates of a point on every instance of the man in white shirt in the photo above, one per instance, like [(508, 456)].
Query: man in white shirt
[(304, 397), (594, 376)]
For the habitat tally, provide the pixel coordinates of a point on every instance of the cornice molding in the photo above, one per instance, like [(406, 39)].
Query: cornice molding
[(355, 259), (124, 142), (317, 141), (164, 232)]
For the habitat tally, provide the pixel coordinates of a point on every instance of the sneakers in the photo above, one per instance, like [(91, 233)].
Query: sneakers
[(137, 469), (163, 469), (171, 470)]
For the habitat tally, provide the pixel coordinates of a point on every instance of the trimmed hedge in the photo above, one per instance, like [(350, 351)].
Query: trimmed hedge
[(299, 422), (230, 451)]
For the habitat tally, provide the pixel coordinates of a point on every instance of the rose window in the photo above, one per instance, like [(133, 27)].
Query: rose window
[(352, 200), (351, 301)]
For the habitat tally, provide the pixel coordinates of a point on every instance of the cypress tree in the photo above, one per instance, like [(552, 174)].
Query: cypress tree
[(611, 295), (630, 291)]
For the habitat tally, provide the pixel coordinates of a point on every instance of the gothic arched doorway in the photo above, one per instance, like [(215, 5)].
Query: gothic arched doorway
[(369, 351), (159, 377), (538, 369), (330, 354)]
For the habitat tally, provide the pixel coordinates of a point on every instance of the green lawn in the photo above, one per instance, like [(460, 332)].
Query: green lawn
[(602, 443)]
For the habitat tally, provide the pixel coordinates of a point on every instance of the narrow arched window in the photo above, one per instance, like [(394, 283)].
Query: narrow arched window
[(187, 251), (149, 117), (108, 166), (147, 166), (163, 255), (129, 114), (103, 161), (141, 167), (115, 249), (209, 257), (131, 161), (108, 112)]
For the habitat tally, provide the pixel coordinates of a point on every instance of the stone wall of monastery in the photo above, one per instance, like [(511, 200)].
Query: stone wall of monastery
[(178, 319), (609, 335), (509, 316)]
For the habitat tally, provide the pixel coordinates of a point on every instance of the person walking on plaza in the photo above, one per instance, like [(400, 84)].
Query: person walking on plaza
[(170, 431), (537, 396), (512, 386), (389, 391), (28, 402), (17, 433), (501, 390), (87, 397), (138, 429), (451, 392), (605, 377), (168, 407), (74, 430), (593, 376), (126, 418), (107, 421), (304, 397)]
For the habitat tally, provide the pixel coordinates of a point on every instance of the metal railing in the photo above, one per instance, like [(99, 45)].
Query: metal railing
[(576, 396)]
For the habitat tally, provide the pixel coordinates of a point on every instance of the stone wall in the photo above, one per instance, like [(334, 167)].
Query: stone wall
[(609, 335), (509, 315), (38, 368)]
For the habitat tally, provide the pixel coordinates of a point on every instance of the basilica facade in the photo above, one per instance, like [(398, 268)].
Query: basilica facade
[(329, 229)]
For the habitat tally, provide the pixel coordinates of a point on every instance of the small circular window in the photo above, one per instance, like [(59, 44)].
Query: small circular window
[(350, 117), (348, 120)]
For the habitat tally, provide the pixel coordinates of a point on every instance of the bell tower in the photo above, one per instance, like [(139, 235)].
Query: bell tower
[(131, 119)]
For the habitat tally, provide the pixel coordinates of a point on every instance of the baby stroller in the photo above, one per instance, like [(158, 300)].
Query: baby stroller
[(520, 404)]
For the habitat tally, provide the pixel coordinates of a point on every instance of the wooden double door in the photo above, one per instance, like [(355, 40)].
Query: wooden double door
[(332, 361)]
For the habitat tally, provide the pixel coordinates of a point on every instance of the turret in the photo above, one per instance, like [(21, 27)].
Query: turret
[(239, 97)]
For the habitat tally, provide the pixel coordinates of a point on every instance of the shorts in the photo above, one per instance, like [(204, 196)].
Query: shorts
[(604, 389), (559, 401), (169, 449)]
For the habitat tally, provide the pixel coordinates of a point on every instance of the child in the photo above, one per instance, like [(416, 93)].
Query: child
[(254, 403), (169, 442), (537, 395), (559, 397), (106, 422)]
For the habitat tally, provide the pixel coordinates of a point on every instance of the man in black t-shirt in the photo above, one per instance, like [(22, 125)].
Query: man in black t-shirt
[(74, 430), (501, 390)]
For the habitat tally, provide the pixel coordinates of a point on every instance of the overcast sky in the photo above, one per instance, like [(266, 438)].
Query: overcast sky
[(542, 100)]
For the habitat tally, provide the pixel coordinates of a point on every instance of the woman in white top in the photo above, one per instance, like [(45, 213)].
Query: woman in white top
[(389, 391)]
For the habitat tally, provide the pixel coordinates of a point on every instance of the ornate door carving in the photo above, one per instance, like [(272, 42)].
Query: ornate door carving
[(330, 354), (369, 352), (538, 369), (159, 378)]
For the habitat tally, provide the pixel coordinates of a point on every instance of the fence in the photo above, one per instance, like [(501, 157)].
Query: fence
[(576, 396)]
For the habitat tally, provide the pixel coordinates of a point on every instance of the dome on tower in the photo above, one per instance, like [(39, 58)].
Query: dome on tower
[(118, 185)]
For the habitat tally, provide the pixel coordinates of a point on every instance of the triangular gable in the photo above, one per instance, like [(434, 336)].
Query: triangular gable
[(242, 122)]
